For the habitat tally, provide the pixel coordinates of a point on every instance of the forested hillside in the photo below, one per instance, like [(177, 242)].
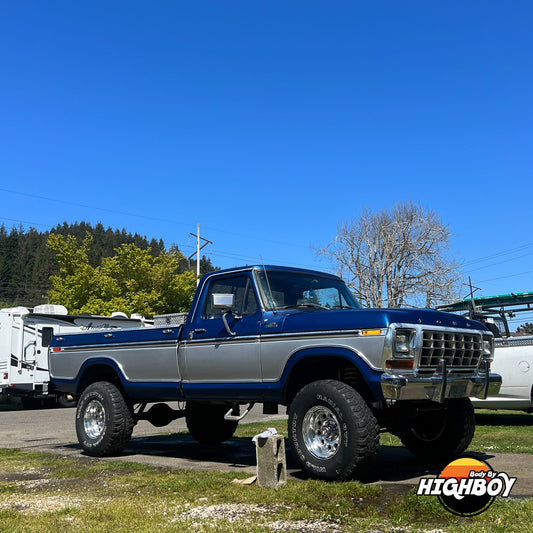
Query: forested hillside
[(26, 262)]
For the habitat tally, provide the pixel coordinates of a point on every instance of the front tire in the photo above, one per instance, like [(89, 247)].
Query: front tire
[(441, 434), (104, 422), (332, 431)]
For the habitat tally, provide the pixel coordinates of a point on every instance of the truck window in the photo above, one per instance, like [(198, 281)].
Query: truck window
[(46, 336), (242, 290), (329, 297), (281, 290), (496, 325)]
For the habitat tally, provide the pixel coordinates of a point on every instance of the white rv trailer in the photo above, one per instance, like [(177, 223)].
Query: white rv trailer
[(24, 338)]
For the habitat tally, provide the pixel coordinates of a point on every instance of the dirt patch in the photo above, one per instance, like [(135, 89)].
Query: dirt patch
[(231, 512), (25, 475), (244, 513), (32, 504)]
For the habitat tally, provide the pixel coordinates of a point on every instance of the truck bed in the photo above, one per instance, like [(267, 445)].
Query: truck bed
[(144, 359)]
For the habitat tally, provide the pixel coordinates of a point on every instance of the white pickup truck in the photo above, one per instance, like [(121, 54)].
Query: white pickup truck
[(513, 355)]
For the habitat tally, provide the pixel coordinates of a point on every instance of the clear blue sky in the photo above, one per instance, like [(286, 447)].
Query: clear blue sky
[(272, 122)]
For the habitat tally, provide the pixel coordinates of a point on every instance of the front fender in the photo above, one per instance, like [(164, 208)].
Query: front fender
[(326, 361)]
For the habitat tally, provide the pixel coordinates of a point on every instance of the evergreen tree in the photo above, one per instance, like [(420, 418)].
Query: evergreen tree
[(27, 263)]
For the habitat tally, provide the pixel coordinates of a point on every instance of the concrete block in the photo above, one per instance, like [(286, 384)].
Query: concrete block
[(271, 461)]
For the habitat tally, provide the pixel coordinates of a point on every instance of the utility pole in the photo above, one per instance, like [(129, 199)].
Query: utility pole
[(197, 253), (472, 301)]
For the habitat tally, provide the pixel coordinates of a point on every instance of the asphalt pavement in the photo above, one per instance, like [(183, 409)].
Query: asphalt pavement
[(53, 431)]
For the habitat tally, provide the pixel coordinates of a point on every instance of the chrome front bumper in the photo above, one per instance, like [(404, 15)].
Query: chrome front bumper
[(440, 386)]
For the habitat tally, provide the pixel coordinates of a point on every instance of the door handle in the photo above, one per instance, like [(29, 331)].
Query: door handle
[(196, 331)]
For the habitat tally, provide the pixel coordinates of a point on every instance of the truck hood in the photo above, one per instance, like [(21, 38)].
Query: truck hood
[(297, 320)]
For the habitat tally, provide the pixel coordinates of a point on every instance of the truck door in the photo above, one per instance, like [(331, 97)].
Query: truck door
[(32, 353), (214, 353), (23, 353)]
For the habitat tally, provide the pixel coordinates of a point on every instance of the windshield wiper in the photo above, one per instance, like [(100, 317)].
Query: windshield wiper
[(306, 305)]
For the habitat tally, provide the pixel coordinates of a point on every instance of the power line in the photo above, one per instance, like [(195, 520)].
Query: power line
[(505, 277), (498, 254), (500, 262), (146, 217), (236, 234), (25, 222), (213, 253)]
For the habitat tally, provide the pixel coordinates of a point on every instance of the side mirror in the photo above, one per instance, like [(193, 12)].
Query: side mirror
[(226, 302)]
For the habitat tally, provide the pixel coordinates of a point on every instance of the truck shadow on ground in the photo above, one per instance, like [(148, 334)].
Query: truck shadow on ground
[(393, 464)]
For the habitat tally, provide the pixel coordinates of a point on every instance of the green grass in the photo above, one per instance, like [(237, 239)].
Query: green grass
[(249, 430), (503, 432), (40, 492), (122, 497)]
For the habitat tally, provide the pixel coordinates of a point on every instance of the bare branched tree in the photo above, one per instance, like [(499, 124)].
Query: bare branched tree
[(395, 257)]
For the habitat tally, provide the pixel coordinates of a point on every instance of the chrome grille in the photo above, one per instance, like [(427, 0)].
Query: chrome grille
[(459, 350)]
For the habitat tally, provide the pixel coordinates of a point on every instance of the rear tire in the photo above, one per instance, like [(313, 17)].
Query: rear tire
[(333, 431), (104, 422), (206, 423), (441, 434), (66, 400)]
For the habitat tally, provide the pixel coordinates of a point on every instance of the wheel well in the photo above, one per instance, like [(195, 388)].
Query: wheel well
[(325, 367), (99, 372)]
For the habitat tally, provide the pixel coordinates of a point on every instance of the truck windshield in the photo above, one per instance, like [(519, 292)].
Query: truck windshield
[(283, 290)]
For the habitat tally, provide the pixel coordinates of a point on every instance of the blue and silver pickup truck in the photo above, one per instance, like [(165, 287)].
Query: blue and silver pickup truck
[(284, 337)]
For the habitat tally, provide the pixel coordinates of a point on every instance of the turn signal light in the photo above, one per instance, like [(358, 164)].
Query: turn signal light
[(371, 332), (400, 364)]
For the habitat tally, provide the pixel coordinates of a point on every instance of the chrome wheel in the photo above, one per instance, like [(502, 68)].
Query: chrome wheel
[(94, 419), (332, 430), (321, 432), (104, 421)]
